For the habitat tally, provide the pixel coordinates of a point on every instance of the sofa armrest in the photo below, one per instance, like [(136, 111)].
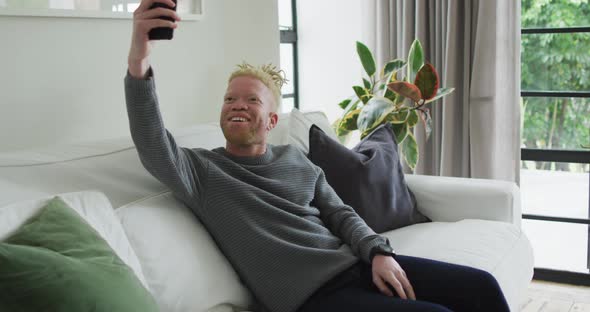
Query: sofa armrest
[(452, 199)]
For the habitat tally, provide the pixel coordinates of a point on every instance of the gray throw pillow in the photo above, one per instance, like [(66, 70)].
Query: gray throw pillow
[(369, 178)]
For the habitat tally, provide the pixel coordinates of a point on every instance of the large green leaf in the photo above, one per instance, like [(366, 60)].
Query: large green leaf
[(406, 89), (374, 113), (339, 130), (441, 92), (399, 116), (366, 58), (362, 94), (349, 121), (415, 59), (400, 131), (354, 103), (427, 81), (344, 104), (389, 94), (393, 66), (410, 150), (413, 118), (367, 84)]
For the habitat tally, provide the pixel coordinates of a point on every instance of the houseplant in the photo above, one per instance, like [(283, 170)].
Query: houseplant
[(396, 96)]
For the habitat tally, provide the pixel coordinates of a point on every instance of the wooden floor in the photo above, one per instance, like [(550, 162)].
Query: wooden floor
[(552, 297)]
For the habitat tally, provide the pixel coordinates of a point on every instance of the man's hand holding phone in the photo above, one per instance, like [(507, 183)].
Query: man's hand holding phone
[(148, 16)]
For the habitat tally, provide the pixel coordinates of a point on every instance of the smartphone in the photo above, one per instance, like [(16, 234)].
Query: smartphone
[(162, 33)]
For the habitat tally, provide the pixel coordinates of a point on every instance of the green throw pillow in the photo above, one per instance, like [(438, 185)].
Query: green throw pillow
[(58, 262)]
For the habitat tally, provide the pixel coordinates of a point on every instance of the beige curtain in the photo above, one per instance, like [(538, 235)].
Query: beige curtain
[(475, 47)]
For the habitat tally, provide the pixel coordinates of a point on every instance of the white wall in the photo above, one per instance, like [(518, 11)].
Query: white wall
[(328, 62), (61, 79)]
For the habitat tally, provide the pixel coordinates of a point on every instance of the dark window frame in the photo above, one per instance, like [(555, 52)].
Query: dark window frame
[(555, 155), (289, 36)]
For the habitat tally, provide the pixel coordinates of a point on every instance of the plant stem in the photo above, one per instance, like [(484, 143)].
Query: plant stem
[(419, 106)]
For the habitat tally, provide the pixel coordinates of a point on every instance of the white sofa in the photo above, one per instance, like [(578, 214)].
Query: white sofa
[(475, 222)]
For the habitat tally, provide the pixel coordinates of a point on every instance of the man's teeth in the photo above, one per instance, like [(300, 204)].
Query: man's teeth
[(238, 119)]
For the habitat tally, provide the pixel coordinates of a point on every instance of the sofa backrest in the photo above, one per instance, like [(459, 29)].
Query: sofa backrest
[(112, 166)]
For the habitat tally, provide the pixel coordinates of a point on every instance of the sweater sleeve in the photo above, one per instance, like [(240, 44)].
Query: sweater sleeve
[(343, 221), (157, 149)]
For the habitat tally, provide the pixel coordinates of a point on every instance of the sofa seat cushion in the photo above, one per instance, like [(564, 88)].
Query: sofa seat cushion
[(496, 247), (181, 263)]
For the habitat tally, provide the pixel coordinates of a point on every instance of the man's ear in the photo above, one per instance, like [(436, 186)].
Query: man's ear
[(274, 119)]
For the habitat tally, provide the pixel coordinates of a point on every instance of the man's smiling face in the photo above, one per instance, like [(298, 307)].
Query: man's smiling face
[(248, 111)]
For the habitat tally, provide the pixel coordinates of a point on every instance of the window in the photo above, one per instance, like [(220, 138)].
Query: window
[(555, 102), (288, 29)]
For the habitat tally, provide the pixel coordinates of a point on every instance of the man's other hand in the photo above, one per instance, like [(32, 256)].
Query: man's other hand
[(387, 271), (144, 20)]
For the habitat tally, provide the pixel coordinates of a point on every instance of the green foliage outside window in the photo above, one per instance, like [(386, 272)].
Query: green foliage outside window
[(556, 62)]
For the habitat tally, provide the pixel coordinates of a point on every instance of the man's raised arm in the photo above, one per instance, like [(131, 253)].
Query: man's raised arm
[(144, 20), (155, 145)]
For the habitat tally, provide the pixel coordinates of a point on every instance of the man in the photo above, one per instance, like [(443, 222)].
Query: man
[(271, 212)]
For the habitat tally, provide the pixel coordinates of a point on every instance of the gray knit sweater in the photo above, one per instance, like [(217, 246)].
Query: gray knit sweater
[(275, 218)]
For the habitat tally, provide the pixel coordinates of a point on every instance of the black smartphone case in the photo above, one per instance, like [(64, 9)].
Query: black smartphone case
[(162, 33)]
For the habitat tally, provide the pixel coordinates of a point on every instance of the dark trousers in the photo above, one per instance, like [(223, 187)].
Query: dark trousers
[(438, 286)]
